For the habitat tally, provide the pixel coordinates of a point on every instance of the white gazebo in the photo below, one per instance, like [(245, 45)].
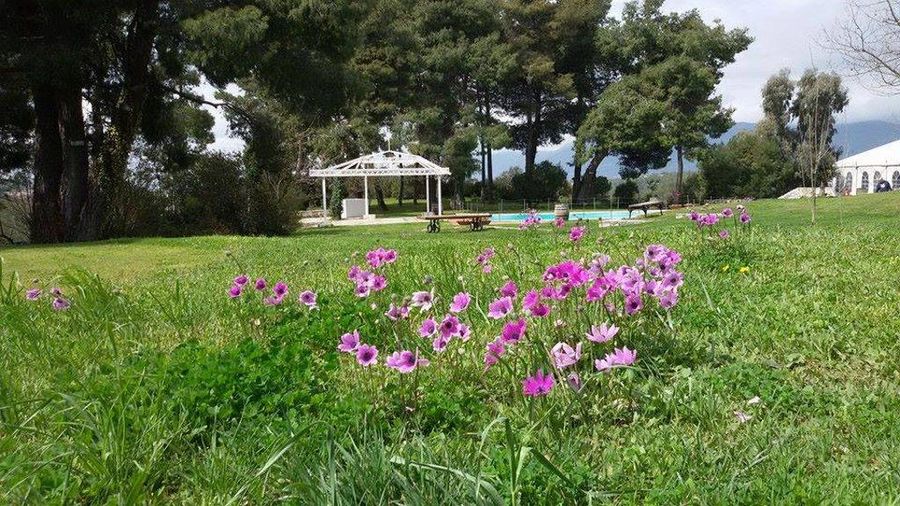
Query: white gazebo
[(860, 173), (384, 163)]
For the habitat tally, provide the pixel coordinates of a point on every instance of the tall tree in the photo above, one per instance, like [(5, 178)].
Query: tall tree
[(868, 37)]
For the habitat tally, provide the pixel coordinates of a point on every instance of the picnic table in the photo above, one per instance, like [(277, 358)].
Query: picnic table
[(644, 206), (475, 221)]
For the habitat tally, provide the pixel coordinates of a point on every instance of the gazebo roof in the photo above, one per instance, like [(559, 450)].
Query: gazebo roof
[(384, 163)]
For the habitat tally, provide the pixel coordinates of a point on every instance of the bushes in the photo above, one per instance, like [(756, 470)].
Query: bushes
[(546, 182)]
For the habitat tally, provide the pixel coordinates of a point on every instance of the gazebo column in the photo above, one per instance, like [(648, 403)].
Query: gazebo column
[(439, 203), (366, 194), (427, 194), (324, 200)]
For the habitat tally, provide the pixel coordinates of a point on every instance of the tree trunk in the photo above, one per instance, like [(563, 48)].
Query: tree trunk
[(576, 179), (75, 157), (530, 146), (680, 174), (46, 210), (379, 196), (589, 178), (400, 193)]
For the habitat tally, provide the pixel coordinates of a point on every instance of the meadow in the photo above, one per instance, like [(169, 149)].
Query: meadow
[(774, 377)]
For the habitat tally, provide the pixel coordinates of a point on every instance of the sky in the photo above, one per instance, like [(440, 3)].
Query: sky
[(787, 34)]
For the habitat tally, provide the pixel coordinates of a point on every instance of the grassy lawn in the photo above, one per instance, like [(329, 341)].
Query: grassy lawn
[(775, 383)]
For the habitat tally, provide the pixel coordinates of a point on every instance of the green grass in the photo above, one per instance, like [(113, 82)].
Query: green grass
[(154, 387)]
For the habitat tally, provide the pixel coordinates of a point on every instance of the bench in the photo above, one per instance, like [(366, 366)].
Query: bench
[(644, 206), (475, 222)]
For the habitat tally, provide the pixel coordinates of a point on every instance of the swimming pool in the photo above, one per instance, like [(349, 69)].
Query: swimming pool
[(573, 215)]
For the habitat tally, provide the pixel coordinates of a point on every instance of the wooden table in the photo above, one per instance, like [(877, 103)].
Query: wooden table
[(475, 221), (643, 206)]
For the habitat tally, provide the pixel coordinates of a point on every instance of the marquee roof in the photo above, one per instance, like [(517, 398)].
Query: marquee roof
[(384, 163), (887, 155)]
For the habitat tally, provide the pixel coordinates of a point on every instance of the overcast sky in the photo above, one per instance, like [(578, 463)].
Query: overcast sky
[(786, 35)]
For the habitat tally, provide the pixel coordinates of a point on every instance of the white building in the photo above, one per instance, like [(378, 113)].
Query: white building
[(860, 173)]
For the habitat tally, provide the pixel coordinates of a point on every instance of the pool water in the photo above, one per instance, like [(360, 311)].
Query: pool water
[(573, 215)]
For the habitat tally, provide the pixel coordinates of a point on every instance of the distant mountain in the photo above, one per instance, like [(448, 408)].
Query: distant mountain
[(852, 137)]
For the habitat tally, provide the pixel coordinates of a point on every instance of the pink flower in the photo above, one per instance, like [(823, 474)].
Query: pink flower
[(724, 234), (60, 304), (559, 222), (422, 300), (564, 355), (745, 218), (727, 212), (378, 283), (500, 308), (509, 289), (633, 303), (538, 385), (397, 312), (349, 342), (33, 294), (541, 310), (362, 290), (532, 298), (618, 358), (514, 331), (576, 234), (574, 381), (241, 280), (280, 289), (272, 300), (449, 326), (439, 344), (366, 355), (603, 333), (308, 298), (668, 298), (428, 327), (260, 284), (405, 361), (460, 302), (235, 291), (464, 332)]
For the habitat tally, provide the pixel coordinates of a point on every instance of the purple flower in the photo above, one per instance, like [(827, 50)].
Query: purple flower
[(509, 289), (60, 304), (449, 326), (532, 298), (241, 280), (405, 361), (280, 289), (422, 300), (724, 234), (428, 327), (576, 234), (618, 358), (673, 279), (668, 298), (33, 294), (235, 291), (260, 284), (574, 381), (633, 303), (559, 222), (464, 332), (514, 331), (366, 355), (538, 385), (539, 311), (362, 290), (308, 298), (727, 212), (603, 333), (500, 308), (745, 218), (397, 312), (564, 355), (460, 302), (694, 216), (56, 292), (378, 283), (349, 342), (439, 344), (272, 300)]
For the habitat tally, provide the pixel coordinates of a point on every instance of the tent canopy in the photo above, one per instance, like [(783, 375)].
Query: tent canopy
[(887, 155), (384, 163)]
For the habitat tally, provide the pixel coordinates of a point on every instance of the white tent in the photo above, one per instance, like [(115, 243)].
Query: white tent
[(860, 173), (385, 163)]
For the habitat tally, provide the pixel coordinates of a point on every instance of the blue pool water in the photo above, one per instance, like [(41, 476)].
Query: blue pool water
[(574, 215)]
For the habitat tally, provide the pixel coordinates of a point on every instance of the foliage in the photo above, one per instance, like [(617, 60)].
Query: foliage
[(751, 164), (546, 182), (626, 192), (152, 387)]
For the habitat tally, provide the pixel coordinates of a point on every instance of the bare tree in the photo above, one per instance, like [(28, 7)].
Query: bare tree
[(868, 38)]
